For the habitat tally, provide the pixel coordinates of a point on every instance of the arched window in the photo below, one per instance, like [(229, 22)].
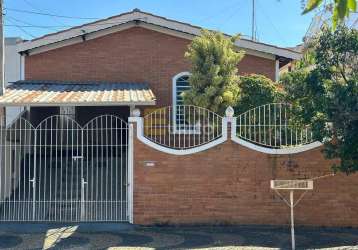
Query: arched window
[(180, 84), (181, 125)]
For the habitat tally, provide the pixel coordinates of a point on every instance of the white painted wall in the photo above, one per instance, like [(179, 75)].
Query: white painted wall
[(12, 59), (12, 72)]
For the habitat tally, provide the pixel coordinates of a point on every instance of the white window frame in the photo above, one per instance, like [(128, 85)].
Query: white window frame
[(177, 130)]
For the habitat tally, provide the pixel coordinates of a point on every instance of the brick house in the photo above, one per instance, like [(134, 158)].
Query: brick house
[(104, 135)]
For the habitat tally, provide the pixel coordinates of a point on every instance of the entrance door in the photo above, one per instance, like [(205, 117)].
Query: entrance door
[(105, 167), (59, 170)]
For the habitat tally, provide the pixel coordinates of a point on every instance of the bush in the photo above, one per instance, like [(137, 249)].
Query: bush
[(214, 59), (256, 90)]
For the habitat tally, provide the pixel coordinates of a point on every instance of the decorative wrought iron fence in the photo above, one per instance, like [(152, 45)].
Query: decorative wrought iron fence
[(270, 125), (182, 126)]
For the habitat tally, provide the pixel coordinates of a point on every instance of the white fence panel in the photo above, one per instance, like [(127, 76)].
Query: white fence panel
[(270, 125), (182, 127)]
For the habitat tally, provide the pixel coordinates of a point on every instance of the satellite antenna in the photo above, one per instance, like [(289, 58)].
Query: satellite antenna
[(292, 185)]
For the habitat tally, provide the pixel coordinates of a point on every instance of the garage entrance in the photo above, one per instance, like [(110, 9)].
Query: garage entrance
[(63, 171)]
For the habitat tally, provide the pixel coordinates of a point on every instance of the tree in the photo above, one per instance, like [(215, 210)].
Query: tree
[(340, 9), (326, 95), (213, 81), (257, 90)]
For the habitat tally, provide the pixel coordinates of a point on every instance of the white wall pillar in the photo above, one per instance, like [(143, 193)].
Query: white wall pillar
[(277, 70), (22, 67)]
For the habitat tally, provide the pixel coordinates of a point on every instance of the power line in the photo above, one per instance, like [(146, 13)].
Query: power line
[(49, 14), (27, 24), (272, 24), (96, 23), (34, 26), (68, 26), (219, 12), (20, 28), (38, 9), (228, 18)]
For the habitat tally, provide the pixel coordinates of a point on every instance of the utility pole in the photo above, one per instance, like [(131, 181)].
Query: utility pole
[(253, 29), (2, 62), (2, 49)]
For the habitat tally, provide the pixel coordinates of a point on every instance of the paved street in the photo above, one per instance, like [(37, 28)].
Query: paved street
[(245, 237)]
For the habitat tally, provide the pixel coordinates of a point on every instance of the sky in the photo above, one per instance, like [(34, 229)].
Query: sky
[(278, 22)]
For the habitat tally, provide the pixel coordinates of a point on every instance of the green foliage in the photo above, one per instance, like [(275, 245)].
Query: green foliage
[(214, 60), (257, 90), (326, 95), (341, 9), (311, 5)]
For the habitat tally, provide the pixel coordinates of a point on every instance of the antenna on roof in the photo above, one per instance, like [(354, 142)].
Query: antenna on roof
[(253, 22)]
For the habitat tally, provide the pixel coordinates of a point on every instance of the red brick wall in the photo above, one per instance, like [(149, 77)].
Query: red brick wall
[(230, 184), (133, 55), (253, 64)]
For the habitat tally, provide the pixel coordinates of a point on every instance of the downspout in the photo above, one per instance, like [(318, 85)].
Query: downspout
[(22, 76), (22, 66), (277, 69)]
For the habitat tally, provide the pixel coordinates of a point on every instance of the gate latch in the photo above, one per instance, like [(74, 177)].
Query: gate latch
[(33, 182), (77, 157), (84, 182)]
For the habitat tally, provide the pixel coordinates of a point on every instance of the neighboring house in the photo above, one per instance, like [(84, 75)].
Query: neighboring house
[(81, 153), (291, 65)]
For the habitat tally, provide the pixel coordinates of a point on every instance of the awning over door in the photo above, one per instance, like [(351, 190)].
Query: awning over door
[(53, 93)]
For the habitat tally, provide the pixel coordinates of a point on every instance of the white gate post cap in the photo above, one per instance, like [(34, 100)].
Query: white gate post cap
[(229, 112), (135, 113)]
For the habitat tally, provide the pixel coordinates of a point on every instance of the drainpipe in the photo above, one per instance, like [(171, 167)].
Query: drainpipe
[(277, 69), (23, 55), (22, 66)]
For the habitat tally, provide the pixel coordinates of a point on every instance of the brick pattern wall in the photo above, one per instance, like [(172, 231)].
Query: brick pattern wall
[(229, 184), (133, 55), (253, 64)]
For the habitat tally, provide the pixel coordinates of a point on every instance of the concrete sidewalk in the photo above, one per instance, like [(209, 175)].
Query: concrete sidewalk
[(121, 236)]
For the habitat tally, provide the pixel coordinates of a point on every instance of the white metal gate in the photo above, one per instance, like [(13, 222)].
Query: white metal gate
[(61, 171)]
